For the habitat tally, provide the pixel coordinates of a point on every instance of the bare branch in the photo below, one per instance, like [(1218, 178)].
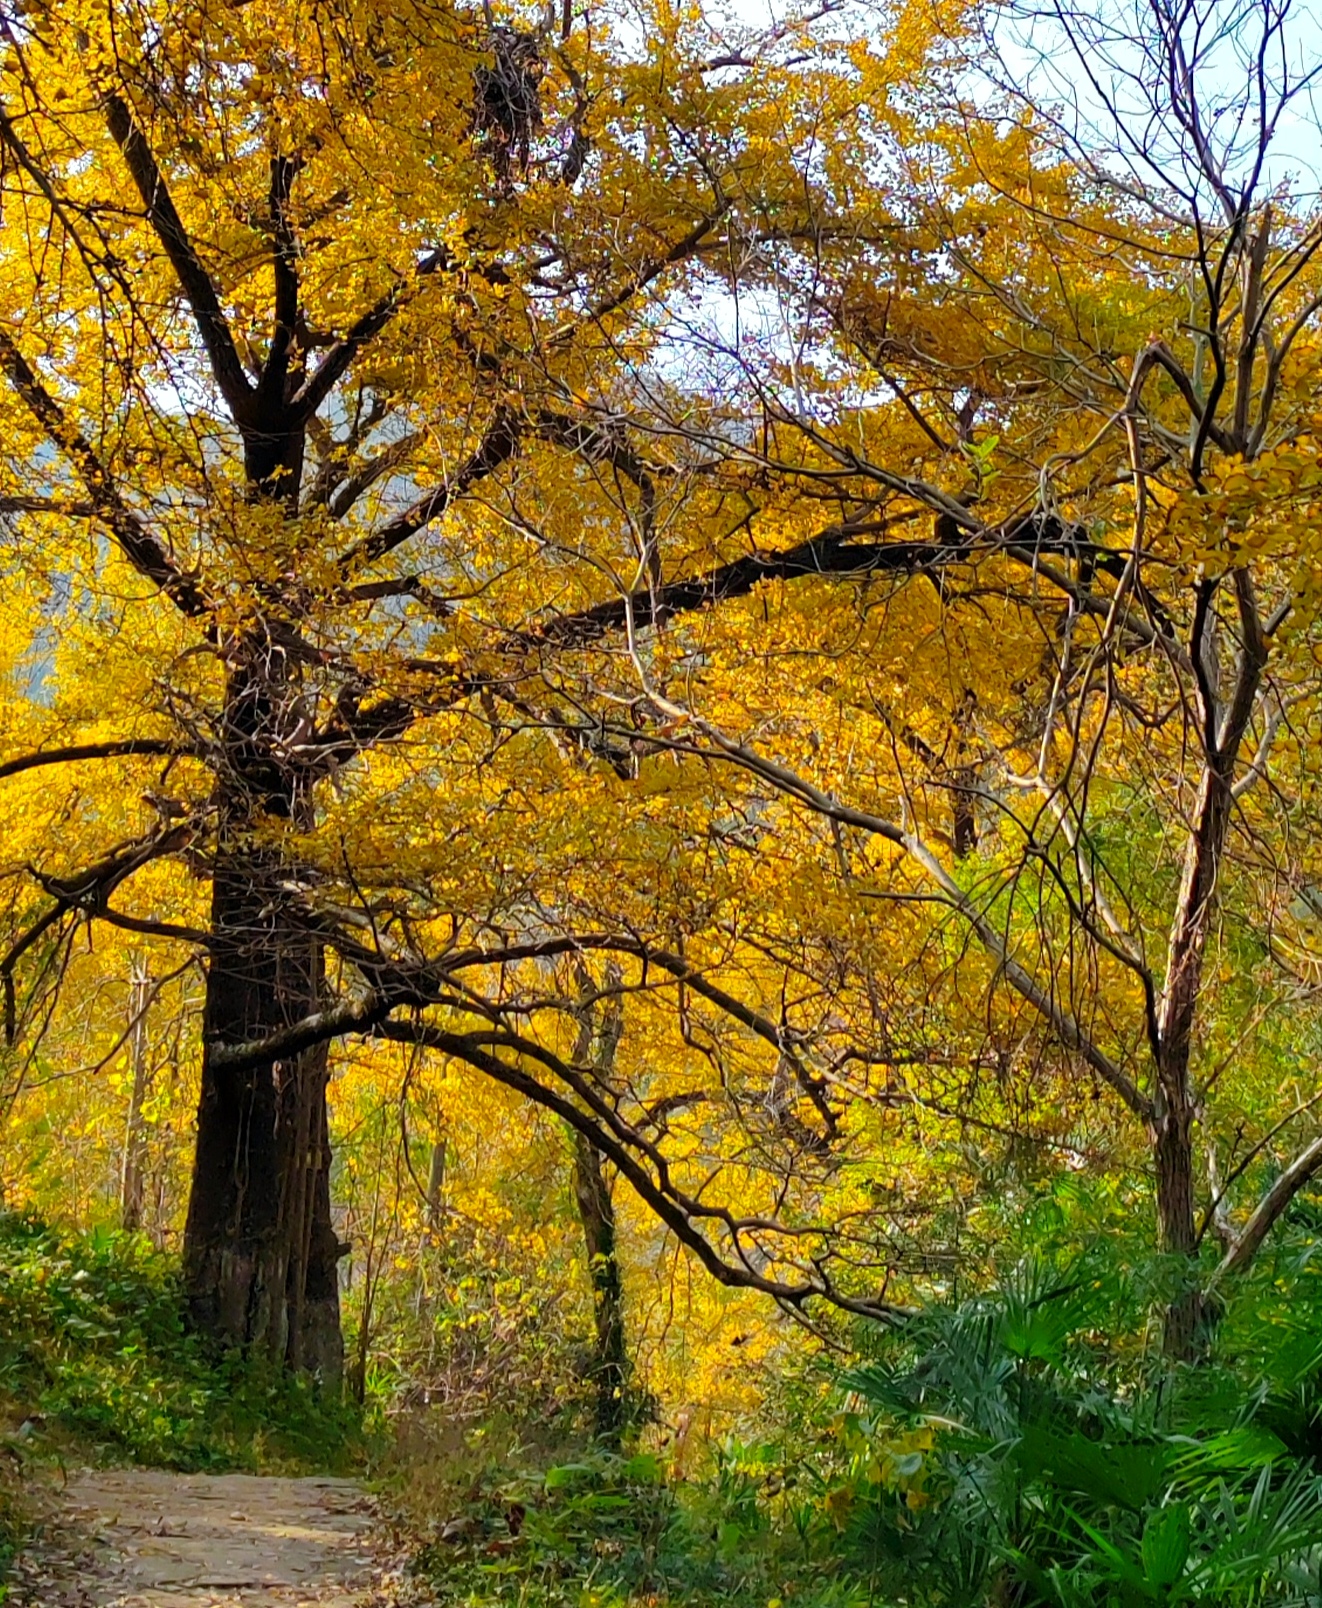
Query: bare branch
[(668, 1205)]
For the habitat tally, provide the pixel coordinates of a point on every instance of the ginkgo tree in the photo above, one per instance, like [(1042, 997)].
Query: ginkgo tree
[(769, 541), (322, 335)]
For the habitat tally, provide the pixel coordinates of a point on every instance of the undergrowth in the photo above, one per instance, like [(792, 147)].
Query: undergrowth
[(1024, 1446), (612, 1529), (94, 1352)]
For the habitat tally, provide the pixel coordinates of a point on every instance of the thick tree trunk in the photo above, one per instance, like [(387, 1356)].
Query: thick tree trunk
[(610, 1362), (260, 1251)]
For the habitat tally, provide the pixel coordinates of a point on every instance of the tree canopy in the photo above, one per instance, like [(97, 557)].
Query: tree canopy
[(751, 593)]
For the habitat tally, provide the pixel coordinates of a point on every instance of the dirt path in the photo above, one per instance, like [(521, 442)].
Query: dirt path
[(137, 1538)]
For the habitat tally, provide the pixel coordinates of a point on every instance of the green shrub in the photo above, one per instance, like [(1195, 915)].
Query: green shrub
[(996, 1458), (92, 1340), (612, 1529)]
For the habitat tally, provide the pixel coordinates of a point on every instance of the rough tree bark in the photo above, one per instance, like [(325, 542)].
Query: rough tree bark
[(260, 1251), (601, 1023), (131, 1181), (610, 1362), (436, 1185)]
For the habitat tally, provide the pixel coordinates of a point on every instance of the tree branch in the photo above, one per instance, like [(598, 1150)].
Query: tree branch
[(834, 551), (196, 283), (498, 444), (347, 493), (356, 1016), (335, 365), (472, 1049), (142, 549), (284, 262), (152, 929), (838, 551), (122, 749), (1268, 1210)]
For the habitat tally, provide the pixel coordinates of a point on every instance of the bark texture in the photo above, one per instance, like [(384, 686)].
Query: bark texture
[(260, 1251), (135, 1150), (610, 1361)]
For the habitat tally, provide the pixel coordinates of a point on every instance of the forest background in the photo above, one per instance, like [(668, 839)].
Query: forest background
[(660, 779)]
